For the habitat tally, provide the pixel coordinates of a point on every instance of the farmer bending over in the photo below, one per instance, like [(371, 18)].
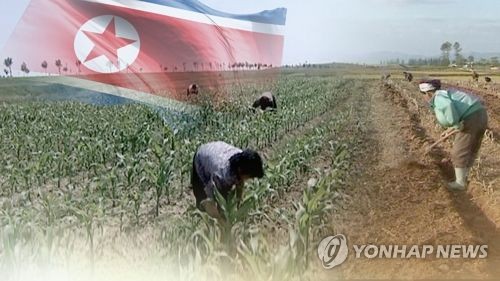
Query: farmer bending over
[(463, 112), (225, 167), (193, 89), (265, 101)]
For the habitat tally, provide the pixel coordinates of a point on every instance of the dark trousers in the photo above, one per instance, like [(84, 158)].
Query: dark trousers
[(468, 141), (197, 186)]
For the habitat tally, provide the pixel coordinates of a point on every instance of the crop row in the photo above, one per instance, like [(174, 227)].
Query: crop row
[(73, 169)]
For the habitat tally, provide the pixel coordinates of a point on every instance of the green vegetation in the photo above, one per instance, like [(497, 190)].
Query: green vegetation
[(75, 177)]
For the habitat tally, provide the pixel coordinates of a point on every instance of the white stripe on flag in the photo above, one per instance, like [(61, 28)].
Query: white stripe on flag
[(130, 94), (272, 29)]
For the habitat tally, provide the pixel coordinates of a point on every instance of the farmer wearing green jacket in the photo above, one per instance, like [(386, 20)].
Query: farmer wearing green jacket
[(461, 111)]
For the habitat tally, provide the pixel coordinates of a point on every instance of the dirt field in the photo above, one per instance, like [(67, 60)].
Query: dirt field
[(402, 198)]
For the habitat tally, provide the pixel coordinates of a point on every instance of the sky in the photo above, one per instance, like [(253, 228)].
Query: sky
[(350, 30)]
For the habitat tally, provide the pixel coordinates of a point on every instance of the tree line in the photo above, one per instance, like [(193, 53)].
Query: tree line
[(451, 54), (196, 66)]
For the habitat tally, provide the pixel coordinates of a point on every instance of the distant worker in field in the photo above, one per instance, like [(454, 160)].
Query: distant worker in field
[(192, 89), (218, 165), (408, 76), (475, 76), (265, 101), (465, 116)]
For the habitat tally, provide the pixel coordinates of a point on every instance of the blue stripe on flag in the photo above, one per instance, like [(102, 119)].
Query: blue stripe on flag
[(276, 16)]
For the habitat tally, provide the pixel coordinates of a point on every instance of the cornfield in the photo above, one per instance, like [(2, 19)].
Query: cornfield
[(77, 180)]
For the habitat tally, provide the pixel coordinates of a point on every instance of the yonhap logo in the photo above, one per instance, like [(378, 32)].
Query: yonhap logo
[(333, 251)]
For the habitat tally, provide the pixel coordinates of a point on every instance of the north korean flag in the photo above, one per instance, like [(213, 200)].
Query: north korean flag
[(143, 45)]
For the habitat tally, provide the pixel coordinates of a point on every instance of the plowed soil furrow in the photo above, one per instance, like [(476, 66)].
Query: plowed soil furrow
[(402, 200)]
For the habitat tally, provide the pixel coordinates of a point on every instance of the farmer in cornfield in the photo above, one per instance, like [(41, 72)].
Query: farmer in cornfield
[(193, 89), (265, 101), (218, 165), (465, 116)]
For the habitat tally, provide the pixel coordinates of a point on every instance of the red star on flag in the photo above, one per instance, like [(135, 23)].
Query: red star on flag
[(107, 43)]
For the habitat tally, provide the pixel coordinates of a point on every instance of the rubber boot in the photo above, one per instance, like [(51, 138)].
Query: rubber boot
[(460, 183)]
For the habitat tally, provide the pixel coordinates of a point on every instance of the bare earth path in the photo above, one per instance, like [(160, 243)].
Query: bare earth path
[(402, 200)]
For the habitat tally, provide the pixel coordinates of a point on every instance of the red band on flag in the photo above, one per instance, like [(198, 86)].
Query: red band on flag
[(137, 47)]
